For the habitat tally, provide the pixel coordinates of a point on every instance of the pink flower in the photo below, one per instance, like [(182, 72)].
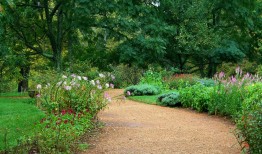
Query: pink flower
[(112, 85), (128, 93), (221, 75), (233, 79), (38, 95)]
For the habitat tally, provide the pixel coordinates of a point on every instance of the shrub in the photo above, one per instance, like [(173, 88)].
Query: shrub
[(70, 103), (196, 97), (153, 78), (250, 119), (181, 81), (143, 89), (207, 82), (226, 100), (169, 99), (126, 75)]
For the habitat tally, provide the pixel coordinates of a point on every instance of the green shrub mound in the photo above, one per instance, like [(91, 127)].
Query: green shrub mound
[(207, 82), (169, 99), (140, 90)]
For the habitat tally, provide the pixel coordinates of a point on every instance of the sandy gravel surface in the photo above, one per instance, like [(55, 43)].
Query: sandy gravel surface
[(137, 128)]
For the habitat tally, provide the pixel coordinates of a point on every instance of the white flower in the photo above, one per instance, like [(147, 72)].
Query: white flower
[(64, 77), (39, 86), (64, 83), (93, 82), (73, 75), (101, 75), (112, 85), (59, 83), (67, 87), (99, 87), (113, 77), (107, 85), (84, 78), (79, 77), (97, 82)]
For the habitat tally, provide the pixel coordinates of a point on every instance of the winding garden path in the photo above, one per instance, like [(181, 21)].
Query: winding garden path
[(137, 128)]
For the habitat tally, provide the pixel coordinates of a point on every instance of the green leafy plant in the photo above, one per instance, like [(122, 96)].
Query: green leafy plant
[(169, 99), (196, 97), (143, 89), (249, 123)]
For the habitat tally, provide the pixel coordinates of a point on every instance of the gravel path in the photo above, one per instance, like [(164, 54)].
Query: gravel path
[(137, 128)]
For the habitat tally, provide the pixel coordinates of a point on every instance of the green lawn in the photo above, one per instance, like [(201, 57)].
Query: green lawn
[(148, 99), (17, 118), (14, 94)]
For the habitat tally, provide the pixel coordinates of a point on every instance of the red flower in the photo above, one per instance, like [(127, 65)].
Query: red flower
[(66, 121), (63, 112)]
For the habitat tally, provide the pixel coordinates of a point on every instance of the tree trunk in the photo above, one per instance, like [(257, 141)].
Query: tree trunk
[(23, 84)]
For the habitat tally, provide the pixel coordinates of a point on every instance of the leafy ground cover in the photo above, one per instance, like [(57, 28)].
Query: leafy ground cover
[(17, 118)]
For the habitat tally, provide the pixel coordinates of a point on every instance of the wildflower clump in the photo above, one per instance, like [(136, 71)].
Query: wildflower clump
[(70, 103)]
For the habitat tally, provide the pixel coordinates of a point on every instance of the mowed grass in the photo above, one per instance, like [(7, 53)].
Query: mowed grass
[(151, 99), (17, 119)]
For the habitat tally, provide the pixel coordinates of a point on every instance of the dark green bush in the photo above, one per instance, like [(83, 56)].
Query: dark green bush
[(250, 119), (126, 75), (169, 99), (195, 97), (143, 89)]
